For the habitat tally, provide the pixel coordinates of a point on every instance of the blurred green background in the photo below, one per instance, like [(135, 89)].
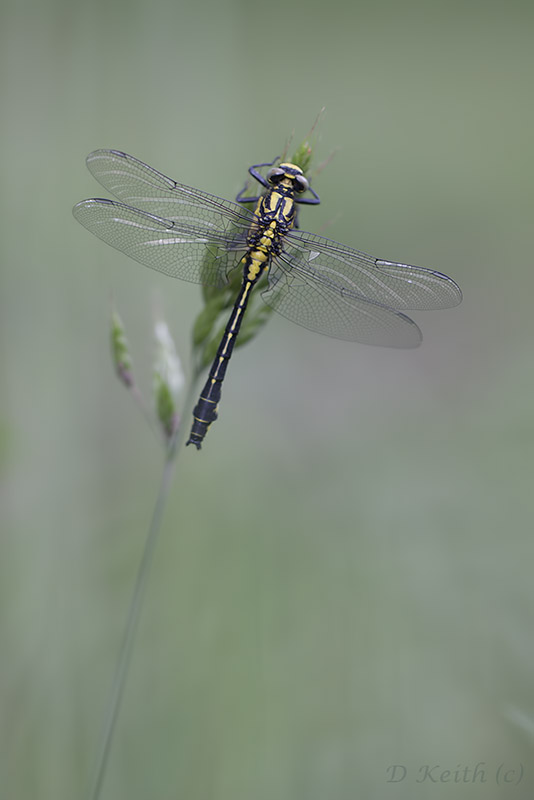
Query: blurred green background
[(344, 577)]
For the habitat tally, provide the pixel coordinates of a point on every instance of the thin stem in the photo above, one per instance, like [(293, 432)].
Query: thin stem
[(136, 603), (140, 401)]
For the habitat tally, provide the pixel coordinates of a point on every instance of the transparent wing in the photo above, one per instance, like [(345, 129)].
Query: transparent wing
[(141, 186), (327, 308), (172, 228), (316, 282), (191, 252), (363, 277)]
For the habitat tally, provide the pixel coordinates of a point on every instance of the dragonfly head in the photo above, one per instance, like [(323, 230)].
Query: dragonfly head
[(288, 175)]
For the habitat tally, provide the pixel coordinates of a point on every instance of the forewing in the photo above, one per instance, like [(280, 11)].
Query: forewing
[(201, 255), (397, 286), (141, 186)]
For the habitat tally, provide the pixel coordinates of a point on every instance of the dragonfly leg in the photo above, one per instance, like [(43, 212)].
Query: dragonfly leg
[(240, 199), (253, 170), (310, 201)]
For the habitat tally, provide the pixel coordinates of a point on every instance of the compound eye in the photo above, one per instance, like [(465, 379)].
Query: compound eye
[(275, 175), (301, 184)]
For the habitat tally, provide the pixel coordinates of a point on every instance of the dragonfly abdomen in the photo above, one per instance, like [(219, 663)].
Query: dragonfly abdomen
[(205, 411)]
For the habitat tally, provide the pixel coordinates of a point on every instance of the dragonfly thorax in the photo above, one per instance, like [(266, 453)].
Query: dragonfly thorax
[(277, 204)]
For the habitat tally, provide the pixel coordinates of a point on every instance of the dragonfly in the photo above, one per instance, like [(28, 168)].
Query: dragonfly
[(315, 282)]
